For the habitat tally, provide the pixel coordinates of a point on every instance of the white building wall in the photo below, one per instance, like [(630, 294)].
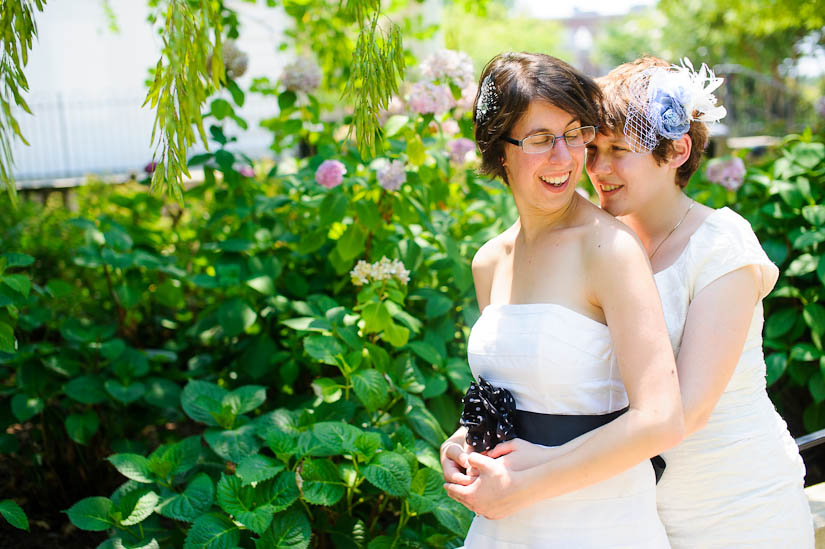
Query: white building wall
[(87, 85)]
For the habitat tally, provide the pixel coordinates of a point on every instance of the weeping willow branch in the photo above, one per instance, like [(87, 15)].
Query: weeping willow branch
[(378, 66), (189, 70), (17, 29)]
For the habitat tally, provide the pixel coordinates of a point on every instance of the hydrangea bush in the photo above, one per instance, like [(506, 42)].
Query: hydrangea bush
[(274, 365)]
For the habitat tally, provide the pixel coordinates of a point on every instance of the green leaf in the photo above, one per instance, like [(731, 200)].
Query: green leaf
[(376, 317), (7, 339), (279, 492), (416, 152), (258, 468), (426, 490), (308, 324), (288, 530), (809, 238), (327, 389), (352, 242), (396, 335), (137, 505), (775, 363), (323, 348), (249, 396), (195, 500), (816, 386), (131, 364), (333, 437), (321, 483), (389, 472), (423, 421), (280, 442), (426, 352), (438, 305), (221, 108), (453, 516), (132, 466), (14, 514), (162, 392), (235, 316), (367, 444), (113, 348), (25, 407), (20, 283), (233, 445), (196, 389), (815, 215), (240, 502), (125, 393), (18, 260), (802, 265), (814, 315), (92, 514), (780, 322), (371, 388), (212, 531), (286, 100), (813, 418), (264, 284), (427, 456), (82, 427), (394, 124), (805, 352), (59, 288)]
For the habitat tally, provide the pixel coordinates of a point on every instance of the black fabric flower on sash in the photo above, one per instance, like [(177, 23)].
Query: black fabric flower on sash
[(488, 415)]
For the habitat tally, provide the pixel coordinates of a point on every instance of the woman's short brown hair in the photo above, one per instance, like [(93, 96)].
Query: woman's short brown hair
[(617, 96), (518, 79)]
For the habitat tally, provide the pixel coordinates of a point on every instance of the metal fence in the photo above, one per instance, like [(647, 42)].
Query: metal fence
[(74, 135)]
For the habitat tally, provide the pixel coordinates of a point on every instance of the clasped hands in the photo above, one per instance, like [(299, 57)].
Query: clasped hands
[(493, 484)]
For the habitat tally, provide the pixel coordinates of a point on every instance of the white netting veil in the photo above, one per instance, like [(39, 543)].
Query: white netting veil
[(639, 130), (663, 101)]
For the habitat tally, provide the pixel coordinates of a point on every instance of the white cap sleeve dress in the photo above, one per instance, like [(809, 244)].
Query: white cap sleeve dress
[(738, 482)]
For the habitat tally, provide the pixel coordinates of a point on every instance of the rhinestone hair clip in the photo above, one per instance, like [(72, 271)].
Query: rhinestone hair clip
[(488, 99)]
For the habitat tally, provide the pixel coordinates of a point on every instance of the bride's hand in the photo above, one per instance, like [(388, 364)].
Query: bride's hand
[(454, 462), (518, 454), (496, 492)]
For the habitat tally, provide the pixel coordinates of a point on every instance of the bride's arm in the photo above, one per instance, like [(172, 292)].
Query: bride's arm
[(622, 285)]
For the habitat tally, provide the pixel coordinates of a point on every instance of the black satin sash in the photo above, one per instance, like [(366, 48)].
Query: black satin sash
[(557, 429)]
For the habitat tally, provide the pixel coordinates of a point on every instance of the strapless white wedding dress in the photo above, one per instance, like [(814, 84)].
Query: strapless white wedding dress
[(557, 361)]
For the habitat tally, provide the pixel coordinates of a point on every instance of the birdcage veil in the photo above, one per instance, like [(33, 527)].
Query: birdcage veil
[(663, 101)]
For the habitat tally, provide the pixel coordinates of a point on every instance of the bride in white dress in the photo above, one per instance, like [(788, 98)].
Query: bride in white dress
[(737, 479), (571, 325)]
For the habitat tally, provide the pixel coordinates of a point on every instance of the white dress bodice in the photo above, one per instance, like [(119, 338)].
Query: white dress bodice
[(557, 361)]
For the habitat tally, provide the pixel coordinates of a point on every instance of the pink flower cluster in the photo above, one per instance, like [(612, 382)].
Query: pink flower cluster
[(447, 65), (302, 75), (729, 172), (460, 149), (426, 98), (392, 175), (364, 273), (330, 173)]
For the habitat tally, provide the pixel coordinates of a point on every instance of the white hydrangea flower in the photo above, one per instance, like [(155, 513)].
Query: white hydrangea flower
[(383, 269), (302, 75)]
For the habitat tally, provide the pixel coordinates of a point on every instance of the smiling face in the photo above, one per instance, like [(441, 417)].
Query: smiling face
[(546, 180), (626, 182)]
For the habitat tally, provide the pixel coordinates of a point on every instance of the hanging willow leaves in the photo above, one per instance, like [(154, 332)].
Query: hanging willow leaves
[(17, 28), (189, 70), (378, 66)]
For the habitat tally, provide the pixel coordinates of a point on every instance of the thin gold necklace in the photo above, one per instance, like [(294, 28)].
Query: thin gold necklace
[(692, 203)]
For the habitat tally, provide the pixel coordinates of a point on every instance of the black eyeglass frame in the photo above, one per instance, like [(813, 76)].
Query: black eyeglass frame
[(520, 143)]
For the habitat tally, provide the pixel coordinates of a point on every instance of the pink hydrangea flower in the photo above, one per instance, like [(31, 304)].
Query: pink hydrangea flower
[(730, 172), (247, 171), (446, 65), (468, 96), (460, 149), (426, 98), (150, 167), (302, 75), (392, 175), (330, 173)]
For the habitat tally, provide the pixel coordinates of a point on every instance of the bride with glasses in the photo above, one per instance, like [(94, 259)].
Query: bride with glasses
[(570, 354)]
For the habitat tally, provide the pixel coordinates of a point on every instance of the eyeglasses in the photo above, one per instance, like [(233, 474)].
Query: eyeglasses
[(543, 142)]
